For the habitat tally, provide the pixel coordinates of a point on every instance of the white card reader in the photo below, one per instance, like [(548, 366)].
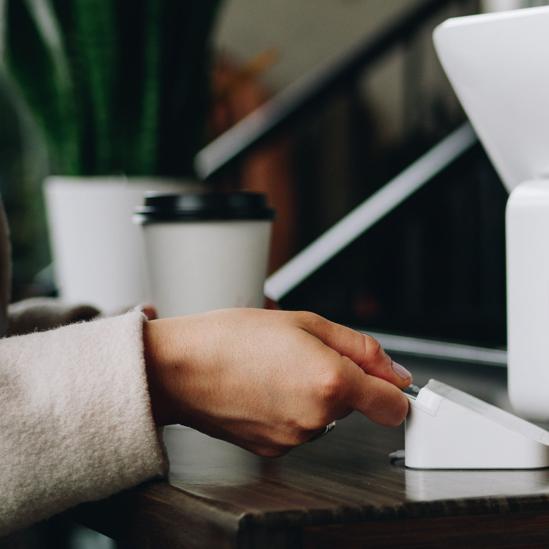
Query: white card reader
[(449, 429)]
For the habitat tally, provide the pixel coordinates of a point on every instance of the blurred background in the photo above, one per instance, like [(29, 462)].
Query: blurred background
[(433, 268)]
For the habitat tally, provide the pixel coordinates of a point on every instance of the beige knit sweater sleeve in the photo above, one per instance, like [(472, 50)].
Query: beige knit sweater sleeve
[(75, 418)]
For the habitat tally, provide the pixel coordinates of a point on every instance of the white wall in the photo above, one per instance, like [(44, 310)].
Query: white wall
[(307, 33), (504, 5)]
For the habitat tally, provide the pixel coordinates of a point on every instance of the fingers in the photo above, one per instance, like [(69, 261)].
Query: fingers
[(362, 349), (377, 399), (149, 311)]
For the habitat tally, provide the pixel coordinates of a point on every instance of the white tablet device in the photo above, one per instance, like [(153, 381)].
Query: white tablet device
[(498, 64)]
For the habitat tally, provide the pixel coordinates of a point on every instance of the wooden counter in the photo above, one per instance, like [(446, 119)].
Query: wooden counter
[(340, 491)]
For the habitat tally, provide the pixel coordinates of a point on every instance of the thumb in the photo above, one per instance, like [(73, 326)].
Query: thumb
[(376, 398)]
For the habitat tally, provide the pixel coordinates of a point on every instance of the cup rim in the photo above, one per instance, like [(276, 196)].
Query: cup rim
[(204, 206)]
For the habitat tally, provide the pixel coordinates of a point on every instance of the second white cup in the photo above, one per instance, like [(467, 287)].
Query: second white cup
[(206, 251)]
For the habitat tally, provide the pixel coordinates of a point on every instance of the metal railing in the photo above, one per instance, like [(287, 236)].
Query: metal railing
[(370, 212)]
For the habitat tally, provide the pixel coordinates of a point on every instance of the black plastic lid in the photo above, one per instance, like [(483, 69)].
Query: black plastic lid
[(210, 206)]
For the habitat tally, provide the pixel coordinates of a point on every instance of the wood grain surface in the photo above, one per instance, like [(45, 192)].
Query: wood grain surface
[(340, 491)]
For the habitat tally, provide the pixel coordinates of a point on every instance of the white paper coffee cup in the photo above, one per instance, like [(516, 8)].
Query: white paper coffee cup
[(205, 251)]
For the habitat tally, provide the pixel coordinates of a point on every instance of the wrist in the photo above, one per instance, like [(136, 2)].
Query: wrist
[(157, 367)]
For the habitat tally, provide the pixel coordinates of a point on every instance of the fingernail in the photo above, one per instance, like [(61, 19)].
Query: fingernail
[(400, 370)]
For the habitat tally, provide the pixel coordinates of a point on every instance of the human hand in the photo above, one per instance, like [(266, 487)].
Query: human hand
[(268, 380)]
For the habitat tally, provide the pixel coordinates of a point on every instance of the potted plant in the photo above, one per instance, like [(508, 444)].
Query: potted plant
[(119, 92)]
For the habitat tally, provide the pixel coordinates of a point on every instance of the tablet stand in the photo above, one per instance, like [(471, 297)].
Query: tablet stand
[(527, 226)]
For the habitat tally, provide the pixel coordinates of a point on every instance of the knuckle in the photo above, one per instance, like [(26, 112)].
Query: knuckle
[(309, 425), (332, 386), (373, 350), (296, 427), (307, 318), (290, 436), (296, 438), (299, 429)]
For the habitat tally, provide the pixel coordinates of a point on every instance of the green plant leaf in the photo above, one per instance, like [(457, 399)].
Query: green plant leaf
[(115, 85), (34, 58), (96, 40), (184, 82), (3, 18)]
